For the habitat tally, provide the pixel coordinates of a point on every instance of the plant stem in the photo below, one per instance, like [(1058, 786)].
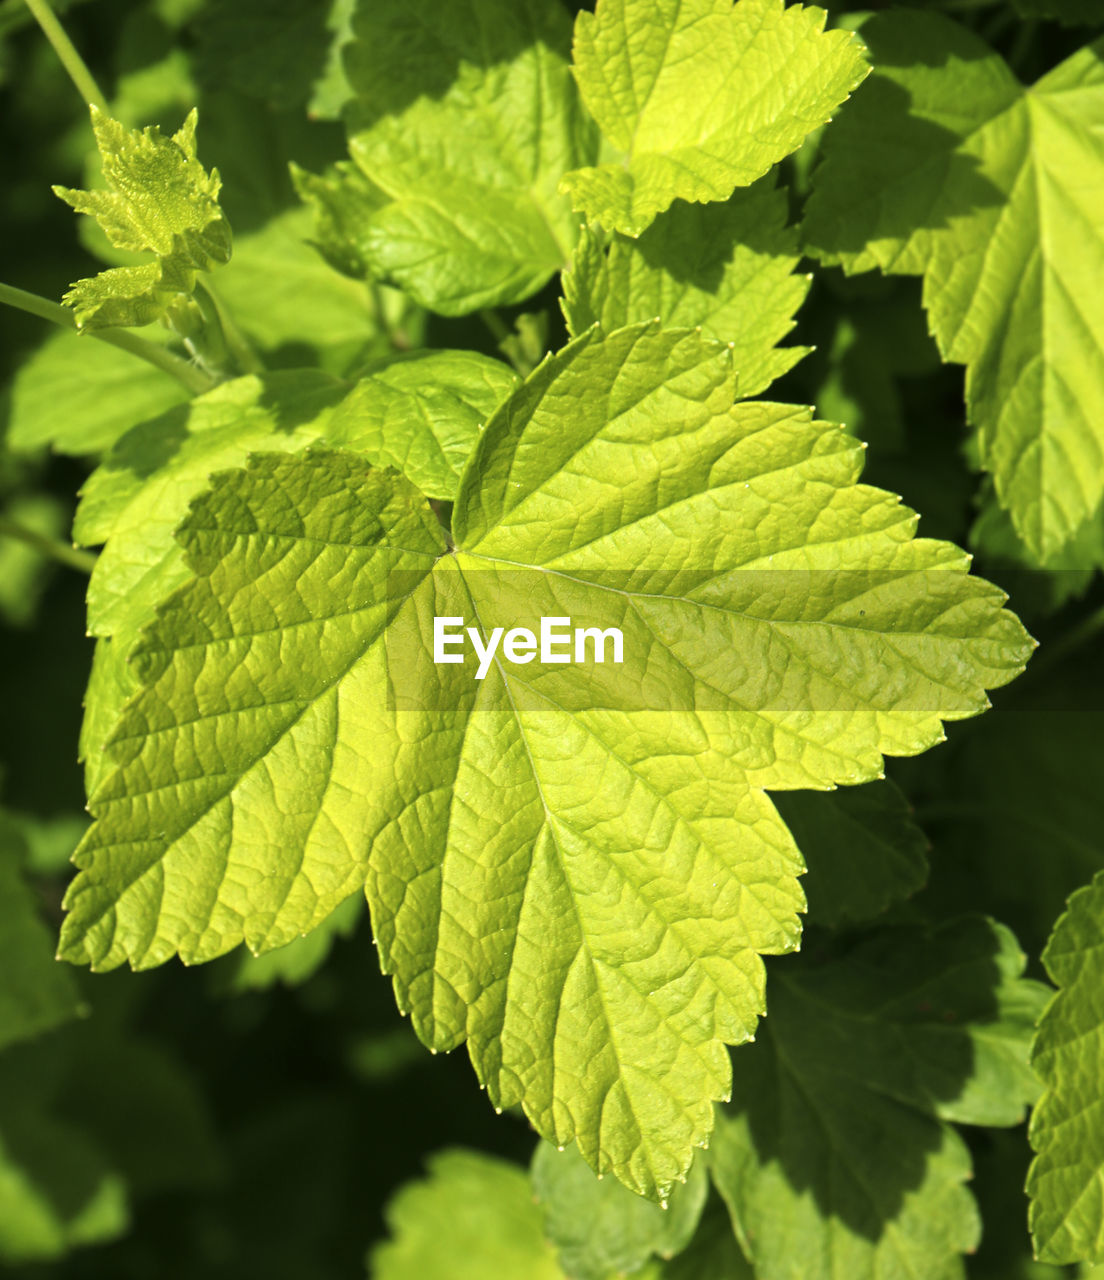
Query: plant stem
[(67, 54), (195, 380), (237, 344), (59, 551)]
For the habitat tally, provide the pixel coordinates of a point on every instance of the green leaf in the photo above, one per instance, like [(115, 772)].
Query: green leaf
[(1066, 1181), (833, 1157), (25, 572), (600, 1228), (863, 849), (473, 1217), (297, 961), (947, 166), (422, 414), (287, 300), (79, 397), (712, 1254), (37, 993), (161, 201), (578, 933), (56, 1190), (140, 492), (466, 117), (342, 202), (727, 268), (700, 97)]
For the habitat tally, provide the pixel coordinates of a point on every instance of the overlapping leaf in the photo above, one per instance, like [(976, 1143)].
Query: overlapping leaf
[(471, 1218), (600, 1228), (572, 867), (161, 201), (465, 117), (947, 166), (700, 97), (834, 1157), (1066, 1183), (81, 396), (863, 849), (726, 268), (37, 993)]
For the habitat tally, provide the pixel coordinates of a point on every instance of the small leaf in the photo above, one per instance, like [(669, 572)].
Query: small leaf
[(465, 117), (472, 1218), (36, 993), (727, 268), (422, 414), (298, 960), (1066, 1182), (161, 201), (601, 1228), (701, 97)]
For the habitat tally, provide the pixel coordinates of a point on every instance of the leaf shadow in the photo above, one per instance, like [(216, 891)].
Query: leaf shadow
[(901, 173), (402, 50), (288, 400), (865, 1046), (695, 243)]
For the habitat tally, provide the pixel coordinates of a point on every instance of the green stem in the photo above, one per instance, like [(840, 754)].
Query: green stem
[(67, 54), (59, 551), (238, 345), (195, 380), (397, 337), (501, 333)]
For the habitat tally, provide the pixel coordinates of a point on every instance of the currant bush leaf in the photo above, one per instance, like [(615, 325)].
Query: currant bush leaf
[(37, 993), (140, 492), (833, 1157), (862, 847), (601, 1228), (56, 1189), (471, 1218), (295, 666), (422, 414), (997, 201), (79, 397), (161, 201), (466, 117), (1066, 1182), (727, 268), (700, 97)]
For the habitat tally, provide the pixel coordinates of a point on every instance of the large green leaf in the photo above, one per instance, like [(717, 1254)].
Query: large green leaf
[(700, 97), (466, 117), (161, 201), (727, 268), (834, 1156), (946, 166), (472, 1218), (555, 856), (1066, 1182)]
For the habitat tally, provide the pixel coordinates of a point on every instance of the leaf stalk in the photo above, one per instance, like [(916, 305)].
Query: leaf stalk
[(195, 380)]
